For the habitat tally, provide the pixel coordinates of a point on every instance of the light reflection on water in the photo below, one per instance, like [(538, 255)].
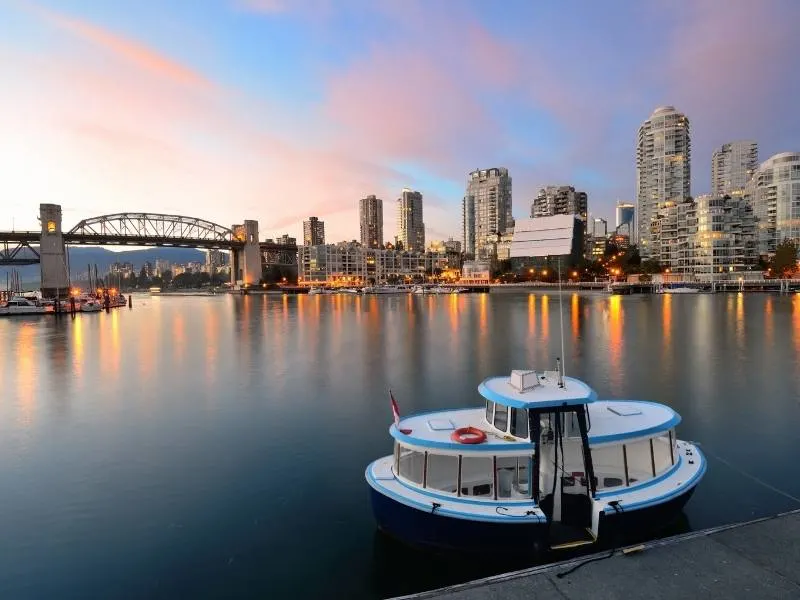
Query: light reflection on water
[(198, 447)]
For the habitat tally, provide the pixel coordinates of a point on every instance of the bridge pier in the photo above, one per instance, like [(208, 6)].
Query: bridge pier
[(52, 253), (246, 261)]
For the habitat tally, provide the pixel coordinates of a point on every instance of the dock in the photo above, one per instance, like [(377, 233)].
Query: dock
[(758, 559)]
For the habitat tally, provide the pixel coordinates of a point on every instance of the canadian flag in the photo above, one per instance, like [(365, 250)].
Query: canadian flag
[(396, 414), (395, 410)]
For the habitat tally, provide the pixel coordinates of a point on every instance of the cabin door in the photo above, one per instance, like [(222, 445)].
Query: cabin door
[(563, 481)]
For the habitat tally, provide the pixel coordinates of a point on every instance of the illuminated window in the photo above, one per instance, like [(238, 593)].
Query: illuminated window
[(51, 227)]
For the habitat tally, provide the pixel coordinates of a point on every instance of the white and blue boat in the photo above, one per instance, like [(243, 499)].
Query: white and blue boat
[(542, 465)]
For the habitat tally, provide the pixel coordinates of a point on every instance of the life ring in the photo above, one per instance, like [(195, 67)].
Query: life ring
[(468, 435)]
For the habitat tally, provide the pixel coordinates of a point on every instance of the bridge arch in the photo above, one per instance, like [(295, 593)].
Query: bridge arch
[(153, 226)]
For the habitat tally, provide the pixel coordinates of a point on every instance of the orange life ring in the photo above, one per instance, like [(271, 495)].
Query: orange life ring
[(468, 435)]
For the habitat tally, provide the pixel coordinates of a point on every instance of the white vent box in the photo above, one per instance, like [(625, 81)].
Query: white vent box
[(523, 380)]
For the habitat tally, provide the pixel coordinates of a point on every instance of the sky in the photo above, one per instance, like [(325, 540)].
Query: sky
[(276, 110)]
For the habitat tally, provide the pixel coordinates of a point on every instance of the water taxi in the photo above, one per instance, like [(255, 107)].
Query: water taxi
[(542, 465)]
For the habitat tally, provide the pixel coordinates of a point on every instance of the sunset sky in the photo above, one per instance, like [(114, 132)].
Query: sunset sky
[(279, 109)]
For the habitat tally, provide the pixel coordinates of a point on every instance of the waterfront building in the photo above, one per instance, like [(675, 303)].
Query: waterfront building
[(732, 166), (560, 200), (663, 172), (124, 269), (476, 272), (486, 211), (538, 239), (450, 248), (214, 260), (626, 220), (705, 239), (287, 240), (313, 232), (774, 193), (370, 212), (350, 263), (410, 225)]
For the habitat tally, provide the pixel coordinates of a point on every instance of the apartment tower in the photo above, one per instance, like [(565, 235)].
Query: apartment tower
[(410, 226), (486, 211), (663, 172), (732, 166), (370, 211)]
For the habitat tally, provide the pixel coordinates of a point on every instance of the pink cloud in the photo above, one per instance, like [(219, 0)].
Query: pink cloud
[(125, 49)]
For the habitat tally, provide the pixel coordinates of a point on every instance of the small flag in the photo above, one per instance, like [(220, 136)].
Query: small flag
[(396, 414)]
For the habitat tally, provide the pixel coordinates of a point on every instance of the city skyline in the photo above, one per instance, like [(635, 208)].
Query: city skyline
[(274, 110)]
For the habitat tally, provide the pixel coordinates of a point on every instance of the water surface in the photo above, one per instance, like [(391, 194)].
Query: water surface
[(215, 447)]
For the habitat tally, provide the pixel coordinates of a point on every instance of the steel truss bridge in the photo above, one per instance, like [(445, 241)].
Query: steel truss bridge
[(142, 229)]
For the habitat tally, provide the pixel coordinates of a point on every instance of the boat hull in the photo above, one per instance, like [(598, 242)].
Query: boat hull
[(635, 525), (442, 533), (437, 532)]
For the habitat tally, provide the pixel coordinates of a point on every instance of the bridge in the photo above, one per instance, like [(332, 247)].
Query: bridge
[(47, 247)]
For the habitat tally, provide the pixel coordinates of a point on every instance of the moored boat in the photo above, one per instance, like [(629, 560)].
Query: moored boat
[(543, 465), (19, 305)]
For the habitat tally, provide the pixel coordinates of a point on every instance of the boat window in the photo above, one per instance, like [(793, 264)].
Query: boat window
[(524, 467), (412, 465), (442, 473), (501, 417), (512, 477), (661, 452), (519, 422), (640, 466), (609, 466), (476, 476), (489, 412)]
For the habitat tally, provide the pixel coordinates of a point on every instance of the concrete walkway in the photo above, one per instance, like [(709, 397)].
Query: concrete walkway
[(758, 560)]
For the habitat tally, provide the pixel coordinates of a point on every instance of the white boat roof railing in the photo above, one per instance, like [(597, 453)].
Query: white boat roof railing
[(536, 389)]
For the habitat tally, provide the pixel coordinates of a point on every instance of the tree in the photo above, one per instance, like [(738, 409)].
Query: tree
[(651, 266), (784, 263)]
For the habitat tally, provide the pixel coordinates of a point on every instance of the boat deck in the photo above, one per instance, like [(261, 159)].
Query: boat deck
[(760, 559)]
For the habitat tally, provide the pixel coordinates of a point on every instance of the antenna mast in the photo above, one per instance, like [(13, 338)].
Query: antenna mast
[(561, 317)]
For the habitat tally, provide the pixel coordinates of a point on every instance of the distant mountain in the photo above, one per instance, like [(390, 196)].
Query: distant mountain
[(80, 257)]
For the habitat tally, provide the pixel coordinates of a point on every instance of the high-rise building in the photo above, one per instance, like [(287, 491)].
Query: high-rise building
[(560, 200), (774, 193), (599, 228), (663, 157), (732, 166), (313, 232), (707, 239), (370, 211), (626, 220), (486, 211), (410, 226)]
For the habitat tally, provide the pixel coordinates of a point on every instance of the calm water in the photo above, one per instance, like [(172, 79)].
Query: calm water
[(215, 447)]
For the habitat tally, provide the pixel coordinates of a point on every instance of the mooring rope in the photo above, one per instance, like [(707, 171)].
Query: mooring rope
[(750, 476)]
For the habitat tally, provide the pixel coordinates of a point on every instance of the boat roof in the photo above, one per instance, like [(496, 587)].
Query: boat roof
[(617, 420), (610, 421), (532, 389), (433, 430)]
